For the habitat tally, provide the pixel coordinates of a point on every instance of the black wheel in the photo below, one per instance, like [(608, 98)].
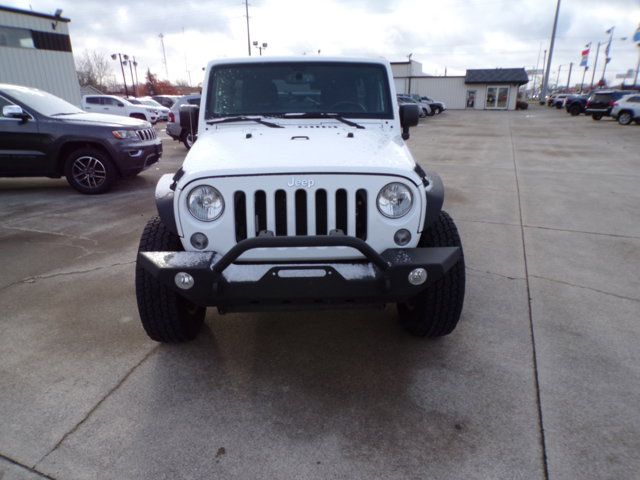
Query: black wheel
[(625, 118), (90, 170), (574, 110), (637, 120), (558, 106), (596, 116), (430, 113), (436, 311), (438, 110), (188, 139), (166, 316)]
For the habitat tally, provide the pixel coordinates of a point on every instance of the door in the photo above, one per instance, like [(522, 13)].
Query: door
[(93, 104), (497, 98), (116, 107), (23, 149), (471, 98)]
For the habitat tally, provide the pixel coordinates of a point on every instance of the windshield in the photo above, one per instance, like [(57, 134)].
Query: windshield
[(359, 90), (42, 102), (151, 103)]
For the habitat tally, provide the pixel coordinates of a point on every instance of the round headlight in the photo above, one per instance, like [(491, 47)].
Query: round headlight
[(394, 200), (205, 203)]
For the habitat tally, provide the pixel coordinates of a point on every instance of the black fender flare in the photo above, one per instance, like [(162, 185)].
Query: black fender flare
[(435, 198), (164, 202), (434, 189)]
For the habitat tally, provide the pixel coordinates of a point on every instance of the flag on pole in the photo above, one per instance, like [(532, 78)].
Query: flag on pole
[(585, 56)]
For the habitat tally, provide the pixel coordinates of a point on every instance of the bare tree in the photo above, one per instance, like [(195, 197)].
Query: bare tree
[(93, 68)]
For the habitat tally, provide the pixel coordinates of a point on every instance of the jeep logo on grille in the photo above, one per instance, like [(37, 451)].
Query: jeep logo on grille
[(301, 182)]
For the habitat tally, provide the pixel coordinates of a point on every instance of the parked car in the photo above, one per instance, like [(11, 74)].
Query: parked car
[(627, 109), (45, 136), (163, 112), (424, 108), (118, 106), (174, 128), (575, 104), (166, 100), (436, 107), (549, 99), (287, 202), (558, 100), (601, 102), (424, 104)]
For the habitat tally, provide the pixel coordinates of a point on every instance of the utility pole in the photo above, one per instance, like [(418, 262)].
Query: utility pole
[(544, 62), (164, 56), (246, 8), (636, 38), (545, 82), (569, 79), (595, 65)]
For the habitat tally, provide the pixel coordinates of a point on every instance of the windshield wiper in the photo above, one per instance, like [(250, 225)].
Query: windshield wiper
[(244, 119), (335, 116)]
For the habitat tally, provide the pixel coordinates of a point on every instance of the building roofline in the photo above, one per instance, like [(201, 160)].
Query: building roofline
[(33, 14)]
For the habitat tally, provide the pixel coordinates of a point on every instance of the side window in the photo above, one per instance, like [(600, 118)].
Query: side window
[(634, 99), (193, 101), (93, 100)]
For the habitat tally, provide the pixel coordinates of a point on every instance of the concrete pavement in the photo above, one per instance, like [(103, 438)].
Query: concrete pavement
[(540, 380)]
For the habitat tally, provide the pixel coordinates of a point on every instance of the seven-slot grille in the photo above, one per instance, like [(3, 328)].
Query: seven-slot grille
[(300, 212), (146, 134)]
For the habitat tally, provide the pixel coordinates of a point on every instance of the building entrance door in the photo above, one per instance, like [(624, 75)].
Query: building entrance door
[(471, 99), (497, 98)]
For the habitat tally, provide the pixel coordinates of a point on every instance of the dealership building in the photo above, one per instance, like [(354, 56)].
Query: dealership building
[(478, 89), (35, 51)]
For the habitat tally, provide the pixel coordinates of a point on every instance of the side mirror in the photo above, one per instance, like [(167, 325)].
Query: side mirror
[(409, 117), (14, 111)]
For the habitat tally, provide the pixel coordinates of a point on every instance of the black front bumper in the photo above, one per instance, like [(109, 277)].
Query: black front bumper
[(132, 158), (218, 281)]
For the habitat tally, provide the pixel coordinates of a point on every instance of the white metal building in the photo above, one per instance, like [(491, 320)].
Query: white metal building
[(35, 51), (481, 89)]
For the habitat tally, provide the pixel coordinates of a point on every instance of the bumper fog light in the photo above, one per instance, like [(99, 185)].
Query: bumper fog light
[(184, 280), (402, 237), (199, 240), (417, 276)]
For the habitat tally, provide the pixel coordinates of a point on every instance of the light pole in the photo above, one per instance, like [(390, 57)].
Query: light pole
[(569, 77), (133, 82), (558, 77), (259, 45), (545, 82), (119, 57), (636, 38)]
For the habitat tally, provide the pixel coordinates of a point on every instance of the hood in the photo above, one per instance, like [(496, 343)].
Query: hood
[(104, 120), (244, 150)]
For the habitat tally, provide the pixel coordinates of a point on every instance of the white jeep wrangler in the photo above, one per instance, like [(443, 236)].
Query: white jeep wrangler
[(300, 193)]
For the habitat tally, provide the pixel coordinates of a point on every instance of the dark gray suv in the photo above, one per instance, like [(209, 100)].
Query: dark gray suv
[(42, 135)]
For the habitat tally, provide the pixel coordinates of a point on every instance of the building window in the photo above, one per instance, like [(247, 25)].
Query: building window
[(16, 37), (497, 98)]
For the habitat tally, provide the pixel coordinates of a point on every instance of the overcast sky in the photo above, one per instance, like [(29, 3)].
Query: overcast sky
[(451, 34)]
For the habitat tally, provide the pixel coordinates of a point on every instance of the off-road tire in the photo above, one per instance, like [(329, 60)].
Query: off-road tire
[(166, 316), (574, 110), (90, 171), (597, 116), (625, 118), (435, 311)]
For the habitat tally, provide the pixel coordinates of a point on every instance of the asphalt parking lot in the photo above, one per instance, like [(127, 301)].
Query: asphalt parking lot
[(540, 380)]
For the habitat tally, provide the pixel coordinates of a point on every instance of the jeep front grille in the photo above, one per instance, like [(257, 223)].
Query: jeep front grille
[(300, 212), (146, 134)]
